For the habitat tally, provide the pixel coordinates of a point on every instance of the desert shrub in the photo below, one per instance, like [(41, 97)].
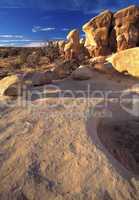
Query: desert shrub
[(33, 59), (14, 52), (51, 50), (4, 54), (24, 55)]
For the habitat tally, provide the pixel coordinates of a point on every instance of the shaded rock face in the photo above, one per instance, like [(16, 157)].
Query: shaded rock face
[(97, 32), (61, 45), (82, 73), (73, 46), (108, 32), (127, 28), (64, 69), (39, 78), (83, 54)]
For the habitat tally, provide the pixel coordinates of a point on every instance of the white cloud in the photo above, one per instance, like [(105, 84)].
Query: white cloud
[(12, 36), (57, 38), (35, 44), (36, 29), (65, 29), (14, 40), (7, 45), (48, 29)]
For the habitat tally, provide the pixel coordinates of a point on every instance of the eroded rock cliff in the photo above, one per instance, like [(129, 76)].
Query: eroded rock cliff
[(127, 28), (97, 32), (108, 32)]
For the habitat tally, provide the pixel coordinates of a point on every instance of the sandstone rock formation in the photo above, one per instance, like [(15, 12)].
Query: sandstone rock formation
[(83, 54), (100, 63), (104, 67), (99, 59), (61, 45), (97, 32), (82, 73), (10, 86), (107, 32), (127, 27), (73, 46), (65, 68), (126, 61)]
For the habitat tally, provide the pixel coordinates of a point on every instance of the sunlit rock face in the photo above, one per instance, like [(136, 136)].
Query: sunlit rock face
[(126, 23), (107, 32), (97, 32), (72, 47), (10, 86), (126, 61)]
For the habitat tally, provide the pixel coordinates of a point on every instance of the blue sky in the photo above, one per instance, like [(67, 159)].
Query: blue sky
[(32, 22)]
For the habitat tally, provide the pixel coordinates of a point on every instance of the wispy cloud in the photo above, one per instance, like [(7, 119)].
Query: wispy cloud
[(12, 36), (15, 40), (35, 44), (48, 29), (65, 29), (57, 38), (7, 45), (36, 29)]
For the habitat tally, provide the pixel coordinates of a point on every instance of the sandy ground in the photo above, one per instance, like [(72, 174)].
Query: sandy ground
[(59, 148)]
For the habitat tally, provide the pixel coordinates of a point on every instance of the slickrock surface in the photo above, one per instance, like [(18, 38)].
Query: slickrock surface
[(126, 61), (48, 152)]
